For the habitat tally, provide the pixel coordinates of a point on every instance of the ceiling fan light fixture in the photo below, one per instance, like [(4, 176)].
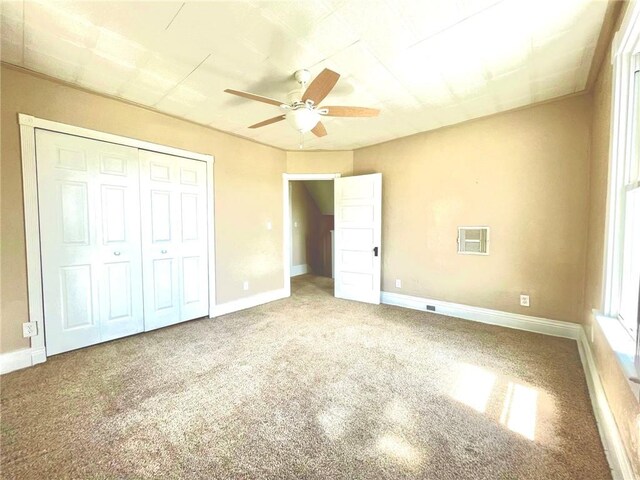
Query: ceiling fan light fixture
[(303, 119), (302, 110)]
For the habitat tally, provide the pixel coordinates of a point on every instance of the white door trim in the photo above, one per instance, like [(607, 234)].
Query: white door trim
[(32, 233), (28, 124), (286, 217)]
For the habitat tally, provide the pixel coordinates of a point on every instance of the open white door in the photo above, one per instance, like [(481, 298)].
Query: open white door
[(358, 234)]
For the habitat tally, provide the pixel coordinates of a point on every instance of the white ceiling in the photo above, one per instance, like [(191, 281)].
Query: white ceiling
[(424, 63)]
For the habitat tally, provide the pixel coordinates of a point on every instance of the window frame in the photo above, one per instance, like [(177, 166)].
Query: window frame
[(625, 57)]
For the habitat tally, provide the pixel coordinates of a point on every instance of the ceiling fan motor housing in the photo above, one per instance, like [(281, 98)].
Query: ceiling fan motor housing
[(295, 96)]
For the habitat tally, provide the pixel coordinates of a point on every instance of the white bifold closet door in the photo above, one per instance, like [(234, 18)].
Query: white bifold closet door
[(88, 194), (174, 239)]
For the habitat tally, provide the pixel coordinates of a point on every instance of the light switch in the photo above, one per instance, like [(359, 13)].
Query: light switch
[(269, 226)]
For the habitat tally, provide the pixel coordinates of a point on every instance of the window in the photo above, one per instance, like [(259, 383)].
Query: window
[(630, 286), (473, 240), (622, 261)]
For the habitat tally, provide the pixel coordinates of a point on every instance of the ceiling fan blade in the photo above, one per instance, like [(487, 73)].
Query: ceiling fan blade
[(351, 112), (319, 130), (321, 86), (253, 96), (268, 122)]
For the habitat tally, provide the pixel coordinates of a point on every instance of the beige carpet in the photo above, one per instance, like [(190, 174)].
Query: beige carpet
[(308, 387)]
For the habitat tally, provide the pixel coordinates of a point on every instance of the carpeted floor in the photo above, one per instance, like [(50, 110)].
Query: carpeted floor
[(307, 387)]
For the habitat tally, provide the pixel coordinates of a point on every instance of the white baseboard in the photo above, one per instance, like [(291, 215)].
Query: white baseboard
[(609, 433), (22, 358), (249, 302), (545, 326), (299, 270)]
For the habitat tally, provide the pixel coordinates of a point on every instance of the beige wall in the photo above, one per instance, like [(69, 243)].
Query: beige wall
[(320, 162), (523, 173), (626, 408), (248, 188)]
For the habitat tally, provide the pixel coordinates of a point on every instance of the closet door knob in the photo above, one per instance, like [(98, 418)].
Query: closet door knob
[(163, 251)]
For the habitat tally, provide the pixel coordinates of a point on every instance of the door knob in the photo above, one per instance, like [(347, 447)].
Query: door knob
[(117, 254), (163, 251), (375, 251)]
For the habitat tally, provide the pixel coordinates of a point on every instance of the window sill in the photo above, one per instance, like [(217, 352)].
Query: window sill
[(623, 347)]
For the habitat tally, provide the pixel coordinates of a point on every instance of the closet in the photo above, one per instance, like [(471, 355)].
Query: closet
[(123, 239)]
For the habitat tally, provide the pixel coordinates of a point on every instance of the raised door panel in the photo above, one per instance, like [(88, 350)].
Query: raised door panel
[(163, 280), (190, 216), (121, 314), (114, 218), (114, 164), (66, 157), (118, 292), (191, 280), (160, 205), (76, 299), (73, 213)]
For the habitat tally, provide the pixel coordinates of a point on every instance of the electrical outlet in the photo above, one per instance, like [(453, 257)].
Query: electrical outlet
[(245, 285), (524, 300), (295, 224), (269, 226), (29, 329), (398, 283)]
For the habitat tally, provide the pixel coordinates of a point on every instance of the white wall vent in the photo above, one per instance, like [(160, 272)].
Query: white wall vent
[(473, 240)]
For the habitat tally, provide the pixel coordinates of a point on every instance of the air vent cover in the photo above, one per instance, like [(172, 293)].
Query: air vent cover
[(473, 240)]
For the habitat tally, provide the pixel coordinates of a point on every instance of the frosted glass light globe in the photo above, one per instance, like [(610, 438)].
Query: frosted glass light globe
[(303, 119)]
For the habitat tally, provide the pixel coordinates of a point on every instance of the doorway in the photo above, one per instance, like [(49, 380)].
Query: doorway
[(311, 227), (357, 248), (308, 225)]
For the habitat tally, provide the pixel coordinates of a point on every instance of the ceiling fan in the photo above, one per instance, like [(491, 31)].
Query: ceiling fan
[(303, 111)]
